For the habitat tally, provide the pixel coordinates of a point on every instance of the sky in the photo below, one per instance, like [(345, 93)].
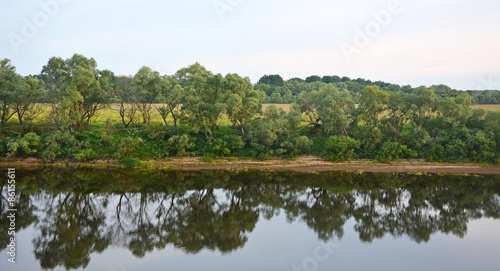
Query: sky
[(424, 42)]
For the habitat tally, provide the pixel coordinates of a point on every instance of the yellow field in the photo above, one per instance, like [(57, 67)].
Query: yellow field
[(285, 107), (487, 107), (111, 114)]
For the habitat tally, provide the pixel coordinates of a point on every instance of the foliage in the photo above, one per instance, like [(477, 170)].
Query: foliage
[(58, 144), (23, 146), (339, 148), (195, 111), (296, 146), (179, 145), (390, 151), (130, 162)]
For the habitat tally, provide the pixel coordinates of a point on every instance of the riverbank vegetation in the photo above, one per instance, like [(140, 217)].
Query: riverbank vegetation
[(73, 110)]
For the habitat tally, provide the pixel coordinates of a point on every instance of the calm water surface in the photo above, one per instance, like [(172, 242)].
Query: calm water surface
[(252, 220)]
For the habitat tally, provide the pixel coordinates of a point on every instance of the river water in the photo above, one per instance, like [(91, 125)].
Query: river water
[(251, 220)]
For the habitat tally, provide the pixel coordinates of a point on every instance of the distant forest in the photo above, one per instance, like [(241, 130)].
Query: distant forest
[(287, 91), (73, 110)]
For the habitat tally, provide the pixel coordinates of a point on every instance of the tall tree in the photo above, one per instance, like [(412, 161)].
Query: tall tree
[(423, 102), (204, 98), (126, 99), (243, 102), (171, 98), (335, 109), (77, 90), (371, 104), (25, 105), (275, 80), (10, 85), (147, 85)]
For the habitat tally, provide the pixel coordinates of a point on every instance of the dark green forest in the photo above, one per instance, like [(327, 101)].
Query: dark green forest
[(53, 115)]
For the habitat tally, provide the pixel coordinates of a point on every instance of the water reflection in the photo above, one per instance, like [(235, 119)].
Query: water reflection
[(78, 213)]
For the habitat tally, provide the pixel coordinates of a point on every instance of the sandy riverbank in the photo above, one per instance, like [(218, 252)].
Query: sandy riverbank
[(301, 164)]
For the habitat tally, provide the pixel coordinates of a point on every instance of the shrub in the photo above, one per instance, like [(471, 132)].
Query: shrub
[(58, 144), (179, 145), (86, 155), (128, 146), (225, 146), (130, 162), (390, 151), (296, 146), (25, 145), (339, 148)]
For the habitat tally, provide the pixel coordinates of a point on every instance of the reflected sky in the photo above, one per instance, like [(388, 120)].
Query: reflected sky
[(218, 220), (291, 244)]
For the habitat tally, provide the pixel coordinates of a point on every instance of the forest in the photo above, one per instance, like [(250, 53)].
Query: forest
[(65, 113)]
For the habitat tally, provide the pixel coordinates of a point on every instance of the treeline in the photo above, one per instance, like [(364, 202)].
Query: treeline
[(212, 115), (280, 91)]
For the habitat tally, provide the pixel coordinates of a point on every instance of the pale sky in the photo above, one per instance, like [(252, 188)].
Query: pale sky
[(424, 42)]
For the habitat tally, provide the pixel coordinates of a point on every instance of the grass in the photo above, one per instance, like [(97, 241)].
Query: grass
[(487, 107), (111, 114)]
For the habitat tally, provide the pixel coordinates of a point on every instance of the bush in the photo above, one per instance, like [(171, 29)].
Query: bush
[(130, 162), (225, 146), (86, 155), (179, 145), (296, 146), (58, 144), (128, 146), (21, 146), (390, 151), (483, 147), (339, 148)]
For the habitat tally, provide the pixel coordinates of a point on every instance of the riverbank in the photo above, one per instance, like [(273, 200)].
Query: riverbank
[(300, 164)]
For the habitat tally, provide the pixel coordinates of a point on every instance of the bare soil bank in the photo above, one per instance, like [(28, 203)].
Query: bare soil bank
[(301, 164)]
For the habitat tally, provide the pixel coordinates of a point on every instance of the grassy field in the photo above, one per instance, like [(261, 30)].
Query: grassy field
[(487, 107), (111, 115)]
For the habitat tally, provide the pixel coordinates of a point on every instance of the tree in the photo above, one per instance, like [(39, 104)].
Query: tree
[(30, 93), (243, 102), (204, 98), (275, 80), (171, 97), (455, 111), (146, 83), (371, 104), (77, 90), (10, 86), (313, 78), (335, 109), (423, 102), (398, 112), (127, 100)]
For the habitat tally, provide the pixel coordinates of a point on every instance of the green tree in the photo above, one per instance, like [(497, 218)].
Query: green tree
[(275, 80), (10, 86), (204, 98), (371, 105), (127, 100), (171, 98), (146, 84), (77, 90), (30, 93), (335, 109), (455, 111), (243, 101), (423, 103), (398, 112)]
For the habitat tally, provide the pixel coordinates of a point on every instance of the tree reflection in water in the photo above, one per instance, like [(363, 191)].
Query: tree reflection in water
[(78, 213)]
